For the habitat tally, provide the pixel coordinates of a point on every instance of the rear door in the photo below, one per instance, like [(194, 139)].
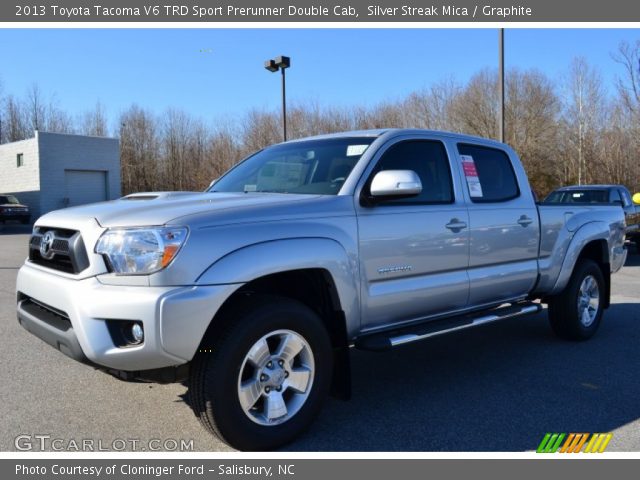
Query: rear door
[(504, 227), (413, 252)]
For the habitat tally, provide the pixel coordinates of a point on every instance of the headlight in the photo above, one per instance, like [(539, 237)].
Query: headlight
[(139, 251)]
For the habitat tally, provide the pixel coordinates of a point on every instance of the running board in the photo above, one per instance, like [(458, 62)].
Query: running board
[(389, 339)]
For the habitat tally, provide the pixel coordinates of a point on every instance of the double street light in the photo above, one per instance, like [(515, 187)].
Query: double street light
[(281, 63)]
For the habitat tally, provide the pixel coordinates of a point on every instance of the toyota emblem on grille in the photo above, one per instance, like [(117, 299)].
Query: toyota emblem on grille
[(45, 245)]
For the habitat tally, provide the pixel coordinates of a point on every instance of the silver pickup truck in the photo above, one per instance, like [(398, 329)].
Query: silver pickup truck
[(256, 289)]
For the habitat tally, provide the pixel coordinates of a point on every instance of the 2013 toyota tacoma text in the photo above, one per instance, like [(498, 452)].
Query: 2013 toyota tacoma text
[(257, 288)]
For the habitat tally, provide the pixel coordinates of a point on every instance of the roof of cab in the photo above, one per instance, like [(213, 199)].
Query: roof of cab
[(395, 132), (589, 187)]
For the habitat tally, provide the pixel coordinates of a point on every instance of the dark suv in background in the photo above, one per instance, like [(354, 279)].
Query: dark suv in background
[(12, 209), (602, 194)]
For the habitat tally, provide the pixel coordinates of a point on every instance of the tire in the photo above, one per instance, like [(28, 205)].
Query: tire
[(575, 313), (235, 356)]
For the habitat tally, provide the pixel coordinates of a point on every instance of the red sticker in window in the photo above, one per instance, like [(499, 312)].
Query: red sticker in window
[(471, 174)]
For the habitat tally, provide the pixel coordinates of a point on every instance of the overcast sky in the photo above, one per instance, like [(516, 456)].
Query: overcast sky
[(218, 73)]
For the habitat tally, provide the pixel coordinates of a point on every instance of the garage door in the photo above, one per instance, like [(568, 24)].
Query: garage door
[(85, 186)]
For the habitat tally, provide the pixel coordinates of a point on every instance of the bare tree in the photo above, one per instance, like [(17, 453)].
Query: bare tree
[(14, 120), (531, 114), (260, 129), (584, 106), (475, 109), (94, 122), (36, 109), (58, 120), (629, 85), (139, 151), (433, 107)]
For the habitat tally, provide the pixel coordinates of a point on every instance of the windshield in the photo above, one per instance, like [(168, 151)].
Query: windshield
[(317, 167), (4, 199), (578, 196)]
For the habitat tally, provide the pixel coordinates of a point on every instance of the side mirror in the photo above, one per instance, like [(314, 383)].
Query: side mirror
[(636, 198), (396, 183), (617, 202)]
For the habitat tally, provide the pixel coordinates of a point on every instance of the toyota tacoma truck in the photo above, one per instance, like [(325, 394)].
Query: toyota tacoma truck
[(256, 289)]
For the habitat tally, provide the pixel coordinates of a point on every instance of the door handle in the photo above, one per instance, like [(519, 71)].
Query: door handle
[(455, 225), (525, 221)]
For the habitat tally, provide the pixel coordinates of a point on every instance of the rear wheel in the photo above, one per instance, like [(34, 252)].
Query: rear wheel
[(265, 376), (575, 314)]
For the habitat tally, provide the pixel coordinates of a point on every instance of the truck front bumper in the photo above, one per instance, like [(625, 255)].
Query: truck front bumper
[(75, 317)]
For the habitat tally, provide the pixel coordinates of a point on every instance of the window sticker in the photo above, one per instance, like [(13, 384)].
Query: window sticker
[(471, 174), (355, 150), (250, 188)]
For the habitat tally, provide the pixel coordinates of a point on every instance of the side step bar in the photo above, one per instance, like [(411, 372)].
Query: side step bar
[(389, 339)]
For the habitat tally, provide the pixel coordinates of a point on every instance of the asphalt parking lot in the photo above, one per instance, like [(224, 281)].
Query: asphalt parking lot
[(494, 388)]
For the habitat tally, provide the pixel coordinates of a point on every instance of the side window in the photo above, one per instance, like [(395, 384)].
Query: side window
[(428, 158), (626, 198), (489, 174), (614, 196)]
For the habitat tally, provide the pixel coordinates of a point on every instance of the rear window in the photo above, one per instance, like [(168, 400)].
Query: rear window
[(489, 174), (578, 196)]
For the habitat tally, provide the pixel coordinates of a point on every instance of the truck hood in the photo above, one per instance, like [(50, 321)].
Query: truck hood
[(160, 208)]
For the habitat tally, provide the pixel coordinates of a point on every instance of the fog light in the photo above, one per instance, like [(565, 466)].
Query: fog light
[(137, 334)]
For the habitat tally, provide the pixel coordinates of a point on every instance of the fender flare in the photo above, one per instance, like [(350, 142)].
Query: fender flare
[(593, 231), (276, 256)]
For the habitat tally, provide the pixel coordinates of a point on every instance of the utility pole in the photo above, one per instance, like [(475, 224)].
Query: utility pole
[(501, 83)]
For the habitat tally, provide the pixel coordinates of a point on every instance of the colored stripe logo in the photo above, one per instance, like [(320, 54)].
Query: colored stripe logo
[(574, 442)]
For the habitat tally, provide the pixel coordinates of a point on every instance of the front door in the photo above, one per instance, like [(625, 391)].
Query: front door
[(414, 251)]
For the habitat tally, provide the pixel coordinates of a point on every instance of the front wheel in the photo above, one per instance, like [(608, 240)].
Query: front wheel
[(575, 314), (261, 380)]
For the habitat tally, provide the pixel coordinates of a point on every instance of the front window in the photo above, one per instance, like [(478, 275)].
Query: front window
[(317, 167)]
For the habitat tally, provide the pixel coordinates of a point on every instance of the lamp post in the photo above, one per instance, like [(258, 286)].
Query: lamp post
[(281, 63)]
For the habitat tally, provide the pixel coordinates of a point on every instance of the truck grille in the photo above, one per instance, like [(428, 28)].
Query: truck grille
[(59, 249)]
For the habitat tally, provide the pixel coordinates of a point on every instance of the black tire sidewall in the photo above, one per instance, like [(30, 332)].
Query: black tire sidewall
[(574, 326), (224, 369)]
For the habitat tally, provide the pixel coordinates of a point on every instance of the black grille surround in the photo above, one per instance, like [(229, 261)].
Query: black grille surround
[(66, 251), (50, 315), (49, 324)]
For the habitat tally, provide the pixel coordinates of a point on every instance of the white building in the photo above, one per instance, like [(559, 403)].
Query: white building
[(53, 170)]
